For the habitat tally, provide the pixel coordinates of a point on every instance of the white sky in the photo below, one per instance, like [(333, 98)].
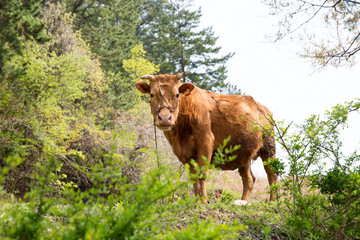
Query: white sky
[(272, 73)]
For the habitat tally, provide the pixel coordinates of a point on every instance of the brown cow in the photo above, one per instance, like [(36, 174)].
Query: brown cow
[(196, 121)]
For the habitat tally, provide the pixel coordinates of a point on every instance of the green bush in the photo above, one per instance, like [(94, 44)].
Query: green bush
[(53, 103), (322, 203), (143, 211)]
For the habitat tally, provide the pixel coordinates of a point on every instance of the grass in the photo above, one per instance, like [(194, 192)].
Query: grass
[(63, 220), (156, 209), (231, 181)]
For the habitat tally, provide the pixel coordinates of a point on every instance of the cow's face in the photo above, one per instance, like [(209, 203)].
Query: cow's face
[(166, 93)]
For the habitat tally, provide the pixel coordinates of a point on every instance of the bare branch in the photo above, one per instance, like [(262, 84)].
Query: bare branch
[(322, 5), (355, 2), (307, 21), (340, 18), (345, 54)]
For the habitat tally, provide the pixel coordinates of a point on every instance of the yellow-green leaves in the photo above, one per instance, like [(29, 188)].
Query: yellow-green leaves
[(122, 93), (137, 65)]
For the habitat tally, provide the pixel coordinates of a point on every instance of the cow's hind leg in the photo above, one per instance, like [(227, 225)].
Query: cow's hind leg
[(272, 178), (268, 151), (248, 179)]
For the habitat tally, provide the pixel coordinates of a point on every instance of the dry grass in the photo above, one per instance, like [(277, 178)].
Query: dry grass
[(231, 180)]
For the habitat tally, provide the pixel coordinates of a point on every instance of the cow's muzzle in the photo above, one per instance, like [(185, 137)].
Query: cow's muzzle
[(164, 119), (164, 122)]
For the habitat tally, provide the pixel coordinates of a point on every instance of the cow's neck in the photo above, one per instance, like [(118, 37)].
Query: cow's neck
[(183, 121)]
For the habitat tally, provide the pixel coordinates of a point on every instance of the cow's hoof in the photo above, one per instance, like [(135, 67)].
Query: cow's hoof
[(205, 201), (240, 202)]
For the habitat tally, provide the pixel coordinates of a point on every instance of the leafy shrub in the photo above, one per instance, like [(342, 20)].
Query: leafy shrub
[(321, 203), (228, 196), (146, 210), (56, 107)]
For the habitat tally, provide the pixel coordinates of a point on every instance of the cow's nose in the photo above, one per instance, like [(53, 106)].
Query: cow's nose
[(164, 118)]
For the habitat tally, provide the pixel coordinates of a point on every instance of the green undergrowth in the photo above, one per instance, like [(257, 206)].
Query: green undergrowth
[(159, 206), (155, 217), (153, 209)]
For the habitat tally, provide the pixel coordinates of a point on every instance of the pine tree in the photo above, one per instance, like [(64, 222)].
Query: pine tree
[(19, 19), (168, 30), (109, 27), (172, 38)]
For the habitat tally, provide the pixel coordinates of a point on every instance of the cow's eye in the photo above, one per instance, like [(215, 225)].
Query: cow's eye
[(151, 95), (177, 95)]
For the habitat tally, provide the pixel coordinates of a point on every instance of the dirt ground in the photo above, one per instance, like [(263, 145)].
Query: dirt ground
[(231, 180)]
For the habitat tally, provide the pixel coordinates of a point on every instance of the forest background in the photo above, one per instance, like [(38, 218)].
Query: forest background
[(76, 139), (68, 70)]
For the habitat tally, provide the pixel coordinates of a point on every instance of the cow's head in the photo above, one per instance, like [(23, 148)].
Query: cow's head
[(166, 93)]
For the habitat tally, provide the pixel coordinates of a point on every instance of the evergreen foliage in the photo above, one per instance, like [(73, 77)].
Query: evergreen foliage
[(19, 19), (173, 39), (109, 27), (169, 31)]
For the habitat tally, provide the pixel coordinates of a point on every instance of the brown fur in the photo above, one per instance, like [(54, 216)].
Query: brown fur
[(197, 121)]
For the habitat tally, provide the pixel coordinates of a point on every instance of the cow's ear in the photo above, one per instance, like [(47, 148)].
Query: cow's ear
[(186, 88), (142, 87)]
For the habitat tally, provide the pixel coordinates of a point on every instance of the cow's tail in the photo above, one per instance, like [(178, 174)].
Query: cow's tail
[(268, 149)]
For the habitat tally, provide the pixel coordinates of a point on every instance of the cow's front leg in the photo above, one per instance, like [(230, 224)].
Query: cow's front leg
[(203, 163), (196, 182), (205, 149), (203, 193), (200, 182)]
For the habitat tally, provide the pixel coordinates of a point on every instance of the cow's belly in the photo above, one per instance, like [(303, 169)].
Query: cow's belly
[(250, 142)]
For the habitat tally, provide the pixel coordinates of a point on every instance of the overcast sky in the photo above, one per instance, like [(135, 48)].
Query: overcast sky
[(273, 73)]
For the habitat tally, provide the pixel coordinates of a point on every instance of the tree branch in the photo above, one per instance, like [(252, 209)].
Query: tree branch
[(355, 2), (307, 21), (356, 197), (346, 53)]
